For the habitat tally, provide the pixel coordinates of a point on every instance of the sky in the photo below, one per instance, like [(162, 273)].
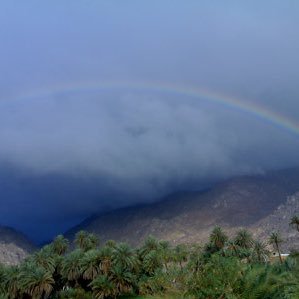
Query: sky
[(88, 121)]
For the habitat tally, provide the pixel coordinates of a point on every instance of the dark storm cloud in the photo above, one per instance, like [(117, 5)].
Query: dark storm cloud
[(68, 155)]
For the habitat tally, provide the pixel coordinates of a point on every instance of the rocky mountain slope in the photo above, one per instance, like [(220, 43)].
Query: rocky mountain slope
[(189, 216), (279, 221), (14, 246)]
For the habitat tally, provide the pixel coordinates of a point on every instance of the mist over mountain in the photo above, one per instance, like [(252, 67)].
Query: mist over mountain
[(261, 203), (75, 138), (76, 156)]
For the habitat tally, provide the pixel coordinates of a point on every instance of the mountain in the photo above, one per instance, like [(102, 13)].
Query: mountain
[(279, 221), (190, 216), (14, 246)]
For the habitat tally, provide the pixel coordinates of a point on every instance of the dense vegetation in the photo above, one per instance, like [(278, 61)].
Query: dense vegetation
[(223, 268)]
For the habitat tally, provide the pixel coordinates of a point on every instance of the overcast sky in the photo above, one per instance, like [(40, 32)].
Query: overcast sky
[(65, 155)]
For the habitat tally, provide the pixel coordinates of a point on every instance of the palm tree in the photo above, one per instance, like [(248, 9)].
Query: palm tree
[(231, 249), (149, 245), (166, 253), (102, 287), (2, 278), (36, 281), (244, 239), (275, 241), (155, 284), (90, 264), (71, 266), (49, 259), (180, 254), (151, 262), (86, 241), (260, 252), (80, 239), (122, 279), (196, 258), (60, 245), (124, 256), (218, 238), (12, 282), (4, 275), (111, 244), (44, 259), (106, 259), (295, 222), (93, 241)]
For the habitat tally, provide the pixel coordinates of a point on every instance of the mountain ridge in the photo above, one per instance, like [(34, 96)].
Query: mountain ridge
[(14, 246), (190, 216)]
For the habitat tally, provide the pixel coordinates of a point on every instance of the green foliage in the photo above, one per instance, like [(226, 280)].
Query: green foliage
[(106, 259), (60, 245), (151, 262), (244, 239), (111, 243), (44, 259), (181, 254), (155, 284), (86, 241), (71, 266), (12, 282), (123, 279), (90, 264), (219, 278), (236, 268), (125, 257), (217, 241), (196, 259), (2, 279), (36, 281), (260, 252), (71, 293), (266, 282), (102, 287)]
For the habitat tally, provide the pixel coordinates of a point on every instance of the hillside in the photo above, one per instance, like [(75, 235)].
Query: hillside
[(14, 246), (279, 220), (190, 216)]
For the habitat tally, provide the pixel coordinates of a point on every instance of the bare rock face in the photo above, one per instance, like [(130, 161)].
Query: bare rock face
[(14, 246), (254, 202), (278, 221)]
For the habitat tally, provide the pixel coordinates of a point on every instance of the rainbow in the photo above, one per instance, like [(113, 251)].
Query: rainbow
[(256, 110)]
